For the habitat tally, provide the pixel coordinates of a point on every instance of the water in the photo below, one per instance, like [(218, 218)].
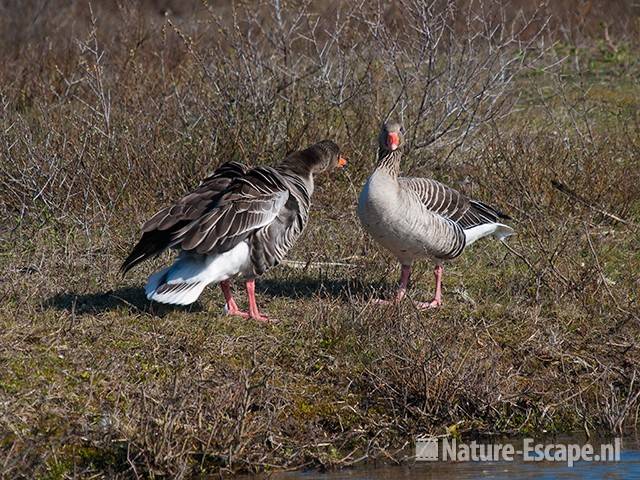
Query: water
[(627, 468)]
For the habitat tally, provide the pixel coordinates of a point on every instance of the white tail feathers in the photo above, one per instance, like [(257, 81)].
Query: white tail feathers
[(503, 231), (155, 280), (497, 230), (183, 282), (175, 293)]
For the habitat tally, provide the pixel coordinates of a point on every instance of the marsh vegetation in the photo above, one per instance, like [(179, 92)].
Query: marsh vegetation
[(108, 112)]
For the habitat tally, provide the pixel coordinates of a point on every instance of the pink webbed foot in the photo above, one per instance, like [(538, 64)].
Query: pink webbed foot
[(233, 310), (263, 318), (381, 301), (253, 305), (256, 315), (230, 305), (437, 300), (404, 282), (402, 288), (428, 305), (419, 305)]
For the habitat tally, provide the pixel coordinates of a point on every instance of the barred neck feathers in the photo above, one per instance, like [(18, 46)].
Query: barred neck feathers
[(298, 177), (389, 161)]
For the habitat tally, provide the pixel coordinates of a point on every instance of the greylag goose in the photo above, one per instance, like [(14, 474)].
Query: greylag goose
[(421, 218), (238, 223)]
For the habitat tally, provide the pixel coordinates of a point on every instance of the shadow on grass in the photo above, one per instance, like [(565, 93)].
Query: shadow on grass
[(134, 299), (346, 289), (128, 297)]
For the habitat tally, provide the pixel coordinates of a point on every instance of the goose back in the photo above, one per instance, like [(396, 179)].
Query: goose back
[(450, 203), (158, 233)]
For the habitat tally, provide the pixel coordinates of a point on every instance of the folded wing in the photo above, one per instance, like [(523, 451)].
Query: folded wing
[(236, 216), (220, 213), (450, 203)]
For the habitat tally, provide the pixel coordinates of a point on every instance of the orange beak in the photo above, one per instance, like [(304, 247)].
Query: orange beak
[(393, 140), (342, 162)]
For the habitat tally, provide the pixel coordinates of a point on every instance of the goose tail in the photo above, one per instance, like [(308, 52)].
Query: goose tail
[(183, 282), (499, 231)]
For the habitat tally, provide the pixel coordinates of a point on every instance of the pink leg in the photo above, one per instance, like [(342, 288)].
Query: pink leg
[(231, 307), (253, 306), (437, 299), (405, 273)]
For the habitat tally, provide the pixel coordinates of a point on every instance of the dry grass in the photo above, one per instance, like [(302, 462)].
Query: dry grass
[(99, 133)]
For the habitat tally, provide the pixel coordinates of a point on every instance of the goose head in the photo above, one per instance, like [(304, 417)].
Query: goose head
[(314, 159), (391, 136), (323, 155)]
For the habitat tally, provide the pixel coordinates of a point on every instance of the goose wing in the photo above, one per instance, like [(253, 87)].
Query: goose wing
[(249, 204), (194, 204), (158, 231), (450, 203), (225, 208)]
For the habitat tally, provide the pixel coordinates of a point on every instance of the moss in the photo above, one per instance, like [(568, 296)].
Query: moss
[(113, 458), (58, 470), (95, 377)]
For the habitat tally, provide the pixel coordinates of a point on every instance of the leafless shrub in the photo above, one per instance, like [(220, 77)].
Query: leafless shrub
[(109, 111)]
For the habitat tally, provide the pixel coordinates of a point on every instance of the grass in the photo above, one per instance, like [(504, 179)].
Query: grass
[(541, 337)]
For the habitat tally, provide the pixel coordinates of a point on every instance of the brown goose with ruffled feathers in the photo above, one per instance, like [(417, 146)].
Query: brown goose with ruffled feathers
[(238, 223)]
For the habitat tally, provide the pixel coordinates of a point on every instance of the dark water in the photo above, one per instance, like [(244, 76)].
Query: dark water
[(628, 467)]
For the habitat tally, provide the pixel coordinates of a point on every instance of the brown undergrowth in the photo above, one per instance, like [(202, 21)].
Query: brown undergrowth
[(108, 113)]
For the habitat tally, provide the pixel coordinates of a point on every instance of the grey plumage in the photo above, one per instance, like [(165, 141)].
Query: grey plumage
[(419, 217), (265, 207), (158, 233), (453, 206)]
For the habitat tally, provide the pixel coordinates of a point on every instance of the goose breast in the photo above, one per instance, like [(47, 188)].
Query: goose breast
[(398, 220)]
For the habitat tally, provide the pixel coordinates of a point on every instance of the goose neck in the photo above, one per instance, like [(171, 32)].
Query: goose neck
[(389, 161)]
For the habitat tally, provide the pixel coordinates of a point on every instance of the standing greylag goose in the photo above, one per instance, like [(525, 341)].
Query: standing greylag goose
[(418, 217), (238, 223)]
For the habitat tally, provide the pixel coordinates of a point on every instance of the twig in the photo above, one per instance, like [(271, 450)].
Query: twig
[(570, 193), (304, 265), (603, 277)]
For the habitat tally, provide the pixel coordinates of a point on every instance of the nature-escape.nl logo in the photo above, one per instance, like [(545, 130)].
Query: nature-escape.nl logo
[(447, 449)]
